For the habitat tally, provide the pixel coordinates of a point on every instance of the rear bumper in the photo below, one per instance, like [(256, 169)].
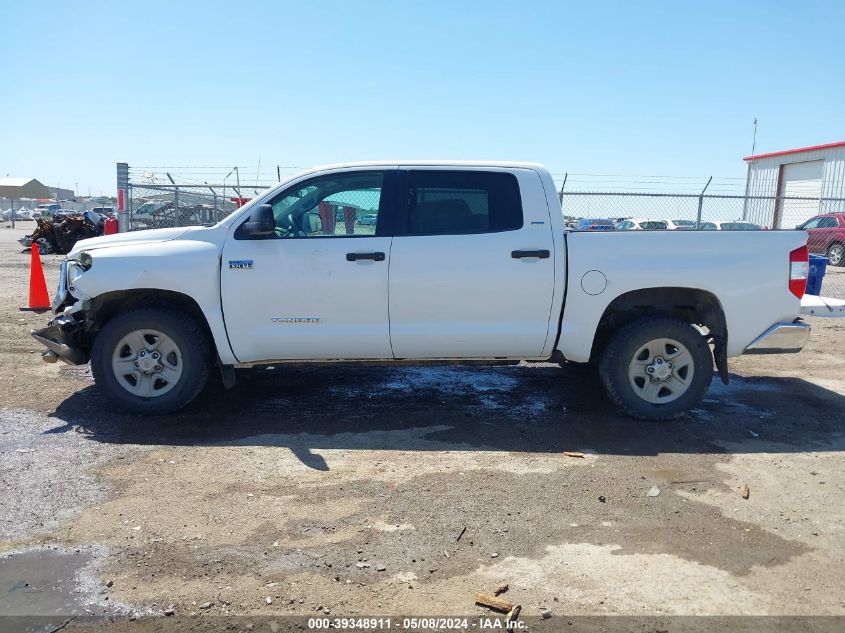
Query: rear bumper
[(781, 338), (813, 305)]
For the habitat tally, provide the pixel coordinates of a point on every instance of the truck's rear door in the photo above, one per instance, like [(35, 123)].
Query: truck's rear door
[(472, 265)]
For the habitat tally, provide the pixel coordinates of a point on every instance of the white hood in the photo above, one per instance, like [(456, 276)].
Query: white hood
[(131, 237)]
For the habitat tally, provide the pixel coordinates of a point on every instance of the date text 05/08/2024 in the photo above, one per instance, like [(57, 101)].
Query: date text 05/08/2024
[(416, 624)]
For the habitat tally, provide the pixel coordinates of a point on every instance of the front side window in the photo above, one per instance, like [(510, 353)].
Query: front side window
[(654, 225), (708, 226), (811, 224), (336, 205), (462, 202)]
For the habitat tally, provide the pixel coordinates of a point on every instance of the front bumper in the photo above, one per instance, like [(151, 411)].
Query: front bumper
[(59, 339), (781, 338)]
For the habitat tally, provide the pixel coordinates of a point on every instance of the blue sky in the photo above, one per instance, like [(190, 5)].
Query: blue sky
[(668, 88)]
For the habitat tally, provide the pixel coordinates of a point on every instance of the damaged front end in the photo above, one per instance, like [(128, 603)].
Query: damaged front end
[(66, 335), (61, 337)]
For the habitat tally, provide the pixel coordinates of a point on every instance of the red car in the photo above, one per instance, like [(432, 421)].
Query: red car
[(827, 236)]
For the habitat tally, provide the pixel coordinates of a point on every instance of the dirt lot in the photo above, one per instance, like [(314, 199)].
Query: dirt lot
[(337, 492)]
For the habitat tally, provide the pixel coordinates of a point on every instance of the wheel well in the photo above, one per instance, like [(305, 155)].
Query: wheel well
[(108, 304), (692, 305)]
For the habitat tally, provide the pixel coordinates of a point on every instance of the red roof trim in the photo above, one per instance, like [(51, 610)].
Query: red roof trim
[(799, 150)]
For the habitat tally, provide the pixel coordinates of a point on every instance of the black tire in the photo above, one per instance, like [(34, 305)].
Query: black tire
[(189, 336), (619, 353), (836, 255)]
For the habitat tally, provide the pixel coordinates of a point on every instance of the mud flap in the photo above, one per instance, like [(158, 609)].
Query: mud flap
[(227, 374), (720, 356)]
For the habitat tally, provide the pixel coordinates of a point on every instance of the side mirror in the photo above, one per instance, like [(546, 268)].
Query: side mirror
[(315, 222), (261, 222)]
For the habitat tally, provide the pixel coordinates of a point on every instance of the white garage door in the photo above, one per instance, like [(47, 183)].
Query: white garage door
[(800, 180)]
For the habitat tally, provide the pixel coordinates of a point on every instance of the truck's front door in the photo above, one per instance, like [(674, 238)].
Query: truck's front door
[(317, 288), (472, 269)]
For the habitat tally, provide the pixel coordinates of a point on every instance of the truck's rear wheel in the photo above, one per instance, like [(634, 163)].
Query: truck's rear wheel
[(151, 360), (656, 368)]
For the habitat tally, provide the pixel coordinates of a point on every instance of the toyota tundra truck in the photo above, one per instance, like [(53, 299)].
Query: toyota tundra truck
[(424, 262)]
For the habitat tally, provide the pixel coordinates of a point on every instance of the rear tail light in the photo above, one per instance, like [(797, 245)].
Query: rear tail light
[(799, 269)]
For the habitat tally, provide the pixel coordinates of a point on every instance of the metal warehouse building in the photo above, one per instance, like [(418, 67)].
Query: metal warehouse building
[(787, 187)]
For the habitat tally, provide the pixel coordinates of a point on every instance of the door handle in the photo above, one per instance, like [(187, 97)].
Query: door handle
[(354, 257), (542, 254)]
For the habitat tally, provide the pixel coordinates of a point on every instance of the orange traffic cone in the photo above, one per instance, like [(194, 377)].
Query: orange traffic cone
[(38, 297)]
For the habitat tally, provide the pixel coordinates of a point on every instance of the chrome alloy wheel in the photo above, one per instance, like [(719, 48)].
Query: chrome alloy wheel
[(661, 371), (147, 363)]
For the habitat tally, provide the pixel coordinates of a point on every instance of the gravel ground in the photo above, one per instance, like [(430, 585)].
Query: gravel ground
[(402, 491)]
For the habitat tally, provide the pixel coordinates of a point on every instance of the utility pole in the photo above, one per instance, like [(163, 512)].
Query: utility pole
[(748, 173), (701, 204), (754, 142), (562, 185)]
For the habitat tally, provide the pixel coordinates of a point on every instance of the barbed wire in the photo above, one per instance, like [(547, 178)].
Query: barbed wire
[(253, 177)]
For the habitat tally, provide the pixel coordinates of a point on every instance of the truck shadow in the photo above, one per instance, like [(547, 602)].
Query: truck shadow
[(534, 409)]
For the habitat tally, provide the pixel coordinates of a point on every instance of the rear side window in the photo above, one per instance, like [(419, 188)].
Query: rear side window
[(827, 223), (462, 202), (654, 226)]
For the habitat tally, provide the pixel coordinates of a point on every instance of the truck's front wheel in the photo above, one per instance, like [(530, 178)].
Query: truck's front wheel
[(656, 368), (151, 360)]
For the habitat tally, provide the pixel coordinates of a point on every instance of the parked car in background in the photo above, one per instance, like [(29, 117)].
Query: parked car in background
[(368, 220), (636, 224), (730, 225), (594, 224), (20, 214), (47, 210), (826, 236), (680, 225)]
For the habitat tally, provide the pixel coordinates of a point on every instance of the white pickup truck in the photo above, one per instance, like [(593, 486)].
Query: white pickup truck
[(452, 261)]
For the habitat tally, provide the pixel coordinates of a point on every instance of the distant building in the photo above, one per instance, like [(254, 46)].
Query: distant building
[(62, 194), (800, 183), (18, 188)]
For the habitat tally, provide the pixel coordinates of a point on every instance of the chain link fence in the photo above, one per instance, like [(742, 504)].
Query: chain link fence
[(158, 200), (163, 206), (636, 212), (161, 197)]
